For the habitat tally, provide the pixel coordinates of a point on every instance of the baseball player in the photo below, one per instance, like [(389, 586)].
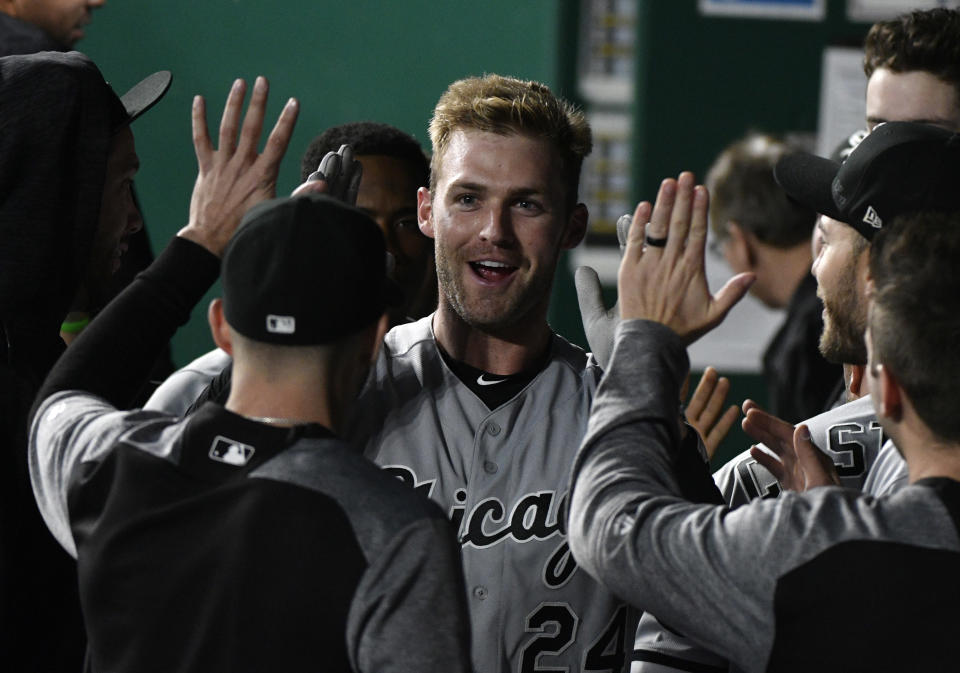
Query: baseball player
[(247, 537), (754, 583), (480, 406)]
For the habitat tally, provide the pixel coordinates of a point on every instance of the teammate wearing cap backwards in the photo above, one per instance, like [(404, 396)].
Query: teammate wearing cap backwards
[(814, 581), (247, 537), (66, 160)]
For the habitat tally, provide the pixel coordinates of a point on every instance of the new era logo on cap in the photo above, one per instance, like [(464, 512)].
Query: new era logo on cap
[(871, 218), (224, 450), (900, 168), (281, 324)]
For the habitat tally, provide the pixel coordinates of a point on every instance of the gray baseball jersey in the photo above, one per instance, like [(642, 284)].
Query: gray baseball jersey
[(753, 583), (851, 435), (501, 475)]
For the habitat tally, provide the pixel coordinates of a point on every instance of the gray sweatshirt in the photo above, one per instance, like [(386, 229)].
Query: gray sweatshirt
[(832, 579)]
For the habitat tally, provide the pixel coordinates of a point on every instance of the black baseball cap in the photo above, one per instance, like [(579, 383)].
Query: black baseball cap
[(899, 168), (304, 271)]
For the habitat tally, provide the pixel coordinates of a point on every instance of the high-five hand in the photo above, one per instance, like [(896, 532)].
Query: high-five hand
[(235, 177), (662, 276)]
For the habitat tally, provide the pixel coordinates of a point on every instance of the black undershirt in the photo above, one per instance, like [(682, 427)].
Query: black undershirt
[(494, 389)]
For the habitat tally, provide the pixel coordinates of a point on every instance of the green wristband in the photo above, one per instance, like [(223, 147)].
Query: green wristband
[(74, 326)]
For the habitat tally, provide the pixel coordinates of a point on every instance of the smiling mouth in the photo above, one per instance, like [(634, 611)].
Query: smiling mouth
[(492, 271)]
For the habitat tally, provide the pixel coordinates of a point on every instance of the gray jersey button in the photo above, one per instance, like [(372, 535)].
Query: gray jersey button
[(493, 429), (480, 592), (490, 467)]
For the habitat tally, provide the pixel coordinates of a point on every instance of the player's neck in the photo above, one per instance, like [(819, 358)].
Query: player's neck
[(934, 461), (281, 398), (505, 352), (927, 454)]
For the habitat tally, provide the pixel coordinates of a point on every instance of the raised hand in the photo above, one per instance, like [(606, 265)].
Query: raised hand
[(799, 465), (662, 276), (706, 413), (234, 177)]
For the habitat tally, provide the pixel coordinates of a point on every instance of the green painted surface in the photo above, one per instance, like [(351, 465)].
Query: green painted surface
[(345, 61)]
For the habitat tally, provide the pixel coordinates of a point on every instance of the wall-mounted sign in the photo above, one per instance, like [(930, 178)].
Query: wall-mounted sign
[(804, 10)]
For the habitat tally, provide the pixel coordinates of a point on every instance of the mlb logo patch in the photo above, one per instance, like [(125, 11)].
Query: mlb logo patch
[(224, 450), (281, 324)]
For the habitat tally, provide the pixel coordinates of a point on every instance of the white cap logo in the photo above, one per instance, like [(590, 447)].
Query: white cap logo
[(872, 218), (281, 324)]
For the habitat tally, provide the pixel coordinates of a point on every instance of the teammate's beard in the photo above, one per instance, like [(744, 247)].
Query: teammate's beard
[(845, 322)]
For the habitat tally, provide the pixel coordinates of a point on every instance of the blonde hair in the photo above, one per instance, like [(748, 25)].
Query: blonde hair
[(507, 105)]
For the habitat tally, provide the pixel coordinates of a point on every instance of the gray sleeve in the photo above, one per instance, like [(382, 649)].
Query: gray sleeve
[(707, 571), (410, 613), (70, 428), (183, 387)]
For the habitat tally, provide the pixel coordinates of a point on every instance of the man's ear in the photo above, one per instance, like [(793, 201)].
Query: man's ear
[(891, 394), (855, 386), (219, 328), (742, 248), (576, 227), (424, 210)]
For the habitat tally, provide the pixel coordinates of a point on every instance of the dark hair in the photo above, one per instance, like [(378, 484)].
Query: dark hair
[(742, 189), (367, 138), (915, 313), (926, 40)]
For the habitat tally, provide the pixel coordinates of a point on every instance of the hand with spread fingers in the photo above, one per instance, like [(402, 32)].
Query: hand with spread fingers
[(799, 465), (234, 177), (706, 413), (662, 276)]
